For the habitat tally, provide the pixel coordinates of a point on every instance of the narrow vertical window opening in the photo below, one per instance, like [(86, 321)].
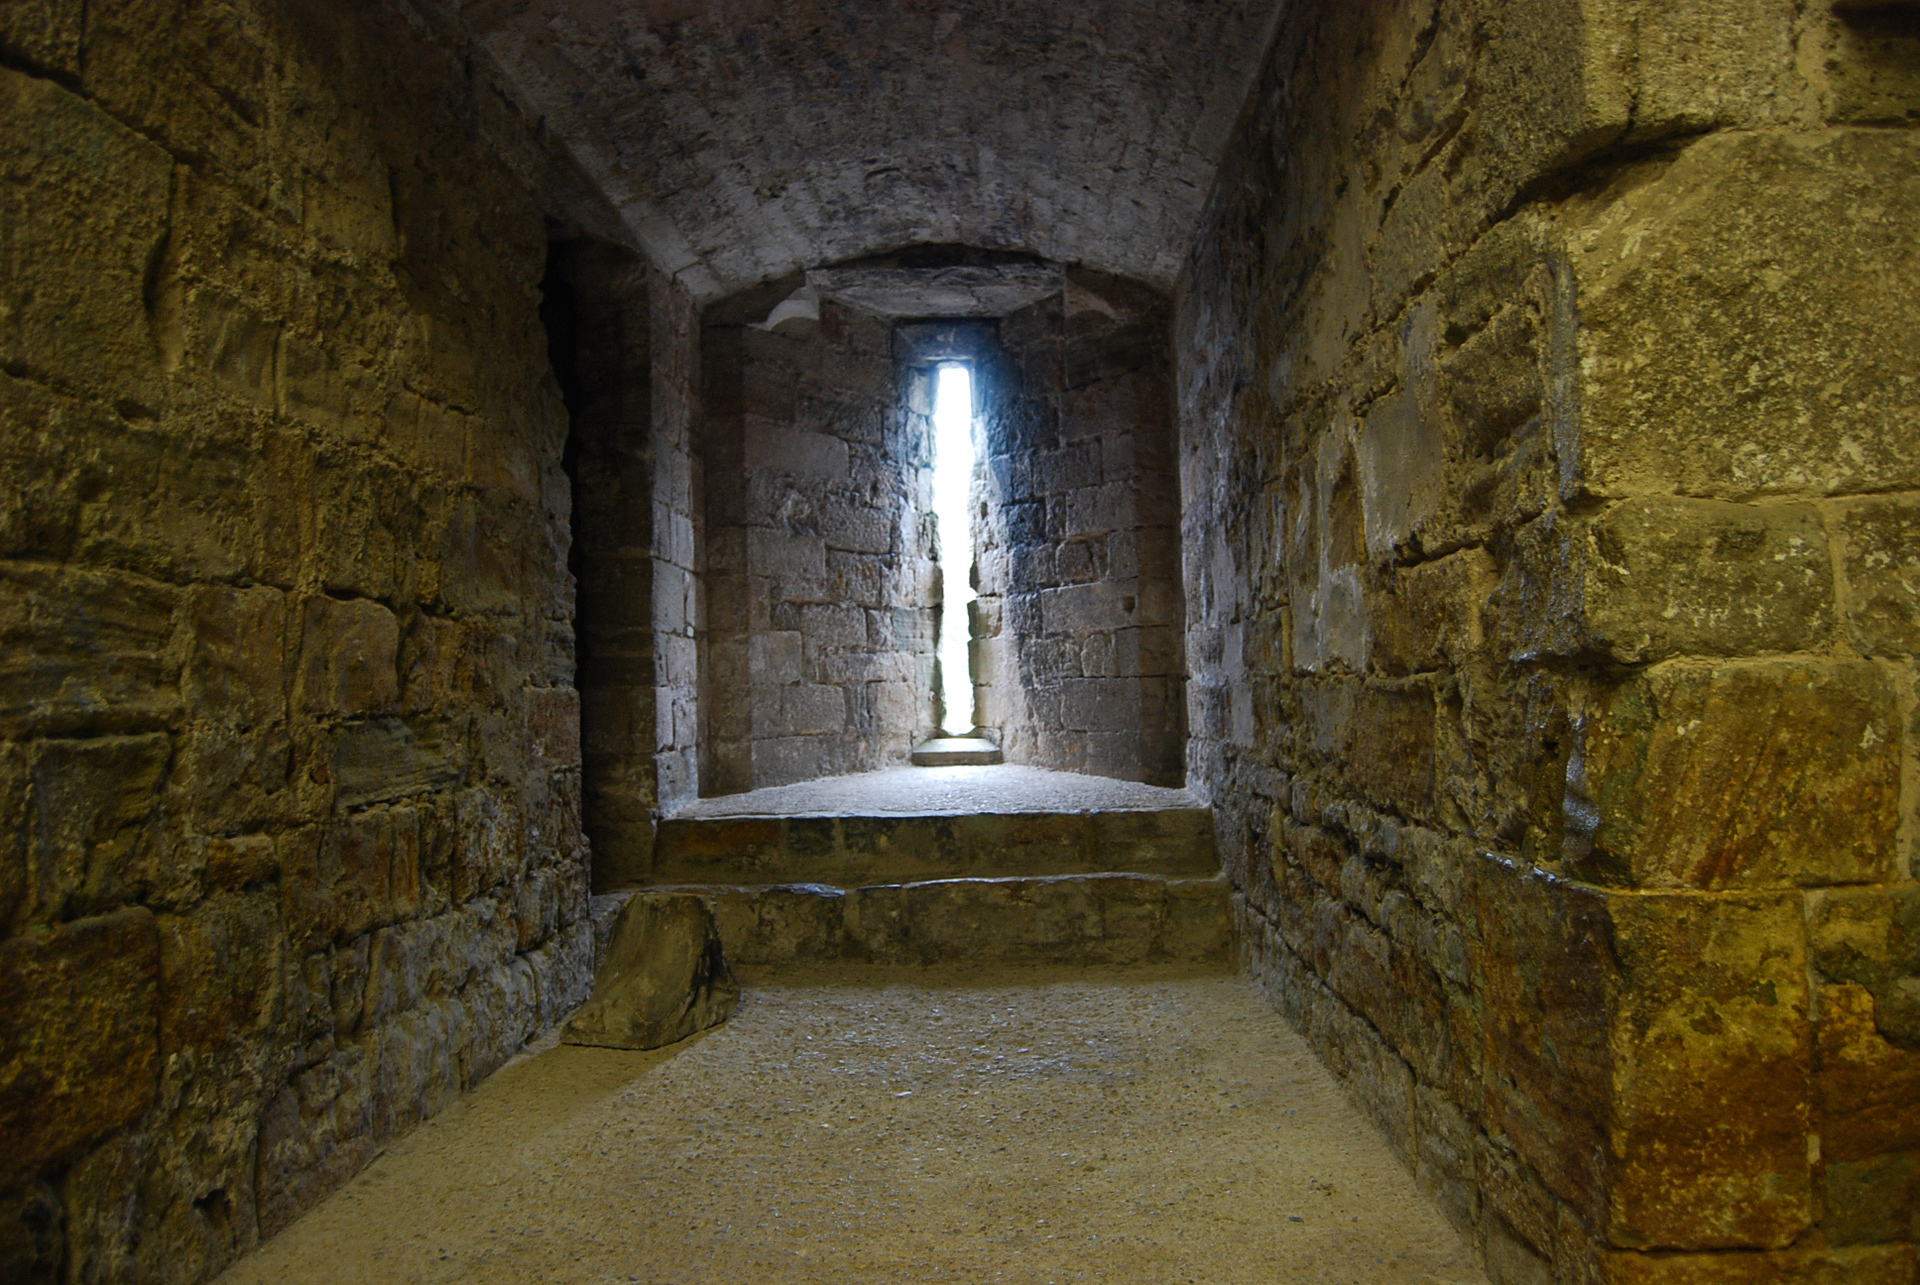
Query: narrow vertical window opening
[(952, 484)]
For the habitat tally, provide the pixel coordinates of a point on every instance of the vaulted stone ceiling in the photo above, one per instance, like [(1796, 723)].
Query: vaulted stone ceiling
[(743, 139)]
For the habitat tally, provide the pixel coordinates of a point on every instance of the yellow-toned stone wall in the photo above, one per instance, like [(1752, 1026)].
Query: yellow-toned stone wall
[(289, 752), (1549, 416)]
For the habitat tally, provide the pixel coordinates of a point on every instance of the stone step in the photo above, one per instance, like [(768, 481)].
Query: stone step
[(1107, 918), (853, 851), (957, 751)]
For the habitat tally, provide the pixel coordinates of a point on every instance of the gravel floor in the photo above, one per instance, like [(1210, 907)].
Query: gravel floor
[(1093, 1125), (941, 791)]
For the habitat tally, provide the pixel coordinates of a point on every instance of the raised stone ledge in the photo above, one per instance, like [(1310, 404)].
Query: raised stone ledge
[(1062, 919)]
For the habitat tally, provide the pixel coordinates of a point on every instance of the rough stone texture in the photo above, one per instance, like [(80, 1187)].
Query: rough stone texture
[(853, 848), (1547, 421), (1107, 918), (744, 144), (1077, 648), (820, 568), (291, 796), (623, 346), (662, 976)]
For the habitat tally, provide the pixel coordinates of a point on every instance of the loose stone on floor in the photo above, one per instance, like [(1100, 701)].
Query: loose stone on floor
[(1097, 1124)]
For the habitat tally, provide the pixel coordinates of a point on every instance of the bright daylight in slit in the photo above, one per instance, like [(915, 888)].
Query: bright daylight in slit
[(952, 480)]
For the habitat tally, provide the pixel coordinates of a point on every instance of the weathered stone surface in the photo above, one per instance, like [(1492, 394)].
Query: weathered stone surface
[(852, 850), (1653, 1056), (1880, 1265), (822, 200), (1871, 937), (1077, 660), (664, 976), (1712, 1062), (1740, 775), (822, 580), (281, 455), (1763, 271), (1653, 579), (86, 202), (1880, 557), (79, 1046), (348, 658), (1075, 919)]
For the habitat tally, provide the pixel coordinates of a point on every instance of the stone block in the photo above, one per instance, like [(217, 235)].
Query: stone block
[(721, 851), (664, 977), (1199, 921), (1880, 558), (85, 204), (1698, 64), (1747, 774), (236, 660), (220, 972), (856, 529), (553, 725), (1652, 579), (348, 658), (1432, 615), (779, 448), (780, 924), (1494, 383), (1873, 64), (1090, 919), (314, 1135), (1650, 1056), (797, 563), (1875, 1265), (1871, 937), (1712, 1074), (1748, 343), (84, 649), (391, 759), (1872, 1202), (241, 862), (79, 1045), (363, 872), (1380, 739), (94, 836), (1864, 1085), (43, 33)]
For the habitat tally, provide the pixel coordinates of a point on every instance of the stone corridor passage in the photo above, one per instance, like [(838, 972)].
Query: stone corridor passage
[(1139, 1126), (1444, 596), (991, 1030)]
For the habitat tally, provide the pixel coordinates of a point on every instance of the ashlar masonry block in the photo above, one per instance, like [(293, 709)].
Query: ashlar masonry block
[(1755, 774), (1744, 315), (1653, 1054)]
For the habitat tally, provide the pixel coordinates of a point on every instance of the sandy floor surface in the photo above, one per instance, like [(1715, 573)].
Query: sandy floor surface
[(1078, 1126), (944, 791)]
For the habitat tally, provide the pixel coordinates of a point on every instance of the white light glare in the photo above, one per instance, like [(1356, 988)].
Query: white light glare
[(952, 484)]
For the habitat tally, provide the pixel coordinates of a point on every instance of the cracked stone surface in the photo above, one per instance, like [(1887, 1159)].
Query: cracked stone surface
[(1096, 1125)]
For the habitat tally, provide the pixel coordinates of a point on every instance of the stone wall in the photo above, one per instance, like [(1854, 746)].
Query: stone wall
[(288, 737), (623, 344), (1079, 648), (1548, 409), (820, 578)]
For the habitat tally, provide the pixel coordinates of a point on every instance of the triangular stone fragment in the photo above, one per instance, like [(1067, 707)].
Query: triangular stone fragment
[(664, 977)]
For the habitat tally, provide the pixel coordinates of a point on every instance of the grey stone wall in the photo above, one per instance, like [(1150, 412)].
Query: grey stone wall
[(623, 339), (1082, 134), (289, 762), (1547, 424), (1079, 650), (820, 579)]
